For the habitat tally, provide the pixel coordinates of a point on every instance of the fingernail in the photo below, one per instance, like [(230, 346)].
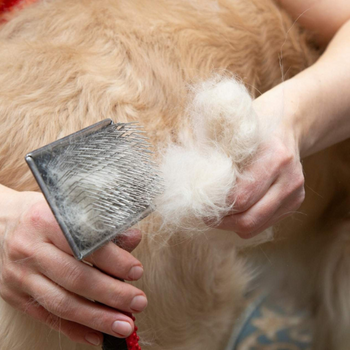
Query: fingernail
[(93, 338), (135, 273), (122, 328), (138, 303)]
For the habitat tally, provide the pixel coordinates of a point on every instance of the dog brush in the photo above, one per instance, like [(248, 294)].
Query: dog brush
[(99, 182)]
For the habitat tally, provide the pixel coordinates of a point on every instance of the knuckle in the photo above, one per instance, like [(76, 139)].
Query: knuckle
[(121, 297), (241, 202), (13, 249), (289, 157), (245, 226), (6, 295), (285, 156), (60, 306), (295, 202), (295, 187), (98, 320), (33, 217), (39, 217), (7, 274), (299, 199), (75, 277), (243, 196), (300, 180), (18, 248), (297, 192), (52, 321)]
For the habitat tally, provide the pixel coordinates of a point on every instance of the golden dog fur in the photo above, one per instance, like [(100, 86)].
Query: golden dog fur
[(66, 64)]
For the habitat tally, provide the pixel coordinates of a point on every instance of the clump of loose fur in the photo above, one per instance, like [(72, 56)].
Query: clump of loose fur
[(200, 172), (223, 117)]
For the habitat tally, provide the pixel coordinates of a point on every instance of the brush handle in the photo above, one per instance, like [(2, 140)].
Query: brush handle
[(113, 343), (130, 343)]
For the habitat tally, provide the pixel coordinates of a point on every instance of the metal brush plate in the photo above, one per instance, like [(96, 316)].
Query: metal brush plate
[(98, 182)]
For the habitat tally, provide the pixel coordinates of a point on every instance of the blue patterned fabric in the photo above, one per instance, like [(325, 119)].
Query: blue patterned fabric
[(269, 324)]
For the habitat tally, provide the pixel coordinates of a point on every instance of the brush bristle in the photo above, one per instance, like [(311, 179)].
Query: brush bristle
[(101, 184)]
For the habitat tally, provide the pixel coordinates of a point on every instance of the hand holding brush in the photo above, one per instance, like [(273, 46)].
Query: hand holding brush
[(40, 277), (98, 183)]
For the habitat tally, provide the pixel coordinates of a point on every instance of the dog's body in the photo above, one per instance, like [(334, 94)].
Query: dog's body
[(66, 64)]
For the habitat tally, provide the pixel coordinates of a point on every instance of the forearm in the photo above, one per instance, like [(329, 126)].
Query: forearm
[(322, 17), (315, 104)]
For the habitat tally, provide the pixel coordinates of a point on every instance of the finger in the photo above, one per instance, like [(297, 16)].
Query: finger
[(42, 218), (74, 331), (252, 185), (245, 223), (252, 221), (89, 282), (129, 240), (110, 258), (116, 262), (71, 307), (282, 212)]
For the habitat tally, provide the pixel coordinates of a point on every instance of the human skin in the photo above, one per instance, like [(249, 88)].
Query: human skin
[(311, 112), (40, 276)]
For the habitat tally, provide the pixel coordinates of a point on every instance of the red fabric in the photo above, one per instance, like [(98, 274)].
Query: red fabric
[(132, 341), (7, 5)]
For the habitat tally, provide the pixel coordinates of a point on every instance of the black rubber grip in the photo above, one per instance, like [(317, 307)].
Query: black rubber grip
[(113, 343)]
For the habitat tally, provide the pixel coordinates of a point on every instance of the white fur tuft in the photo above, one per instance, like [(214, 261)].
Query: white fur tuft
[(222, 114), (197, 182), (201, 171)]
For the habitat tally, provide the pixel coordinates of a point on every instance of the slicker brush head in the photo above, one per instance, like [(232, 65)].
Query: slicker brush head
[(98, 182)]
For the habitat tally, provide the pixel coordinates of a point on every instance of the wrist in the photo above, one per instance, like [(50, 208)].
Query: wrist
[(279, 117)]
